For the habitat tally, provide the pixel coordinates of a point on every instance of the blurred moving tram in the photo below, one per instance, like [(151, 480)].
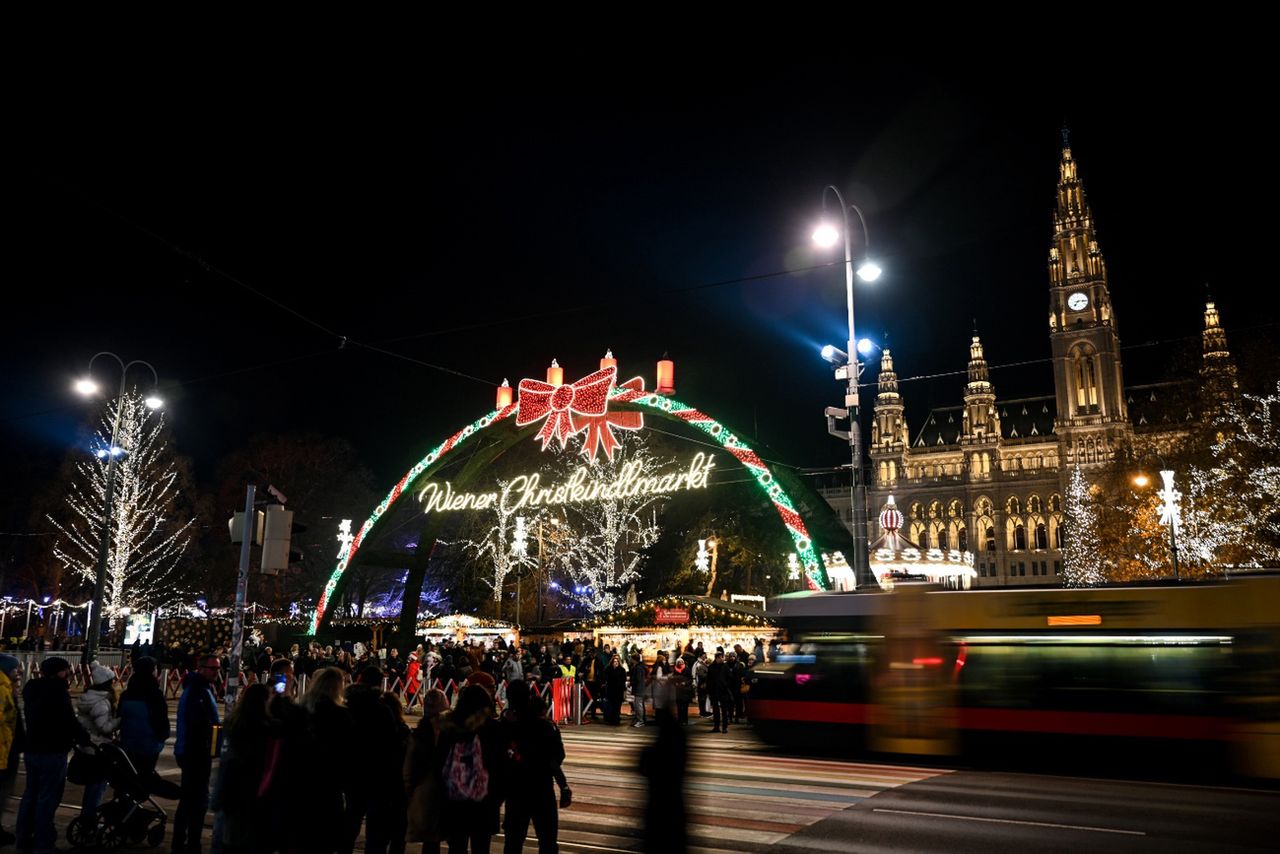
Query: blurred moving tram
[(1186, 674)]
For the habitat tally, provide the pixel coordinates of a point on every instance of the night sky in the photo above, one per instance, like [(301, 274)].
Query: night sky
[(231, 229)]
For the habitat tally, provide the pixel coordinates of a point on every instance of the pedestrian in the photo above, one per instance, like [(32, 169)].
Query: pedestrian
[(511, 668), (12, 736), (52, 730), (718, 686), (636, 674), (412, 680), (374, 736), (422, 781), (237, 813), (738, 685), (387, 824), (283, 792), (614, 686), (470, 748), (330, 782), (680, 691), (96, 710), (662, 763), (194, 748), (700, 682), (144, 718), (535, 752)]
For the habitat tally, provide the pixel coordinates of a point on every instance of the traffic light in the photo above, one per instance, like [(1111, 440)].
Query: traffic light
[(236, 525), (275, 542)]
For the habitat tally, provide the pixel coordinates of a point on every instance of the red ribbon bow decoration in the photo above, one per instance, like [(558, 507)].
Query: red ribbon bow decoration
[(558, 404), (577, 407), (600, 427)]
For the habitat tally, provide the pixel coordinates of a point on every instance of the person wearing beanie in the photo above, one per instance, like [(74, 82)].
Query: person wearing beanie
[(96, 709), (680, 691), (52, 730), (484, 680), (11, 736)]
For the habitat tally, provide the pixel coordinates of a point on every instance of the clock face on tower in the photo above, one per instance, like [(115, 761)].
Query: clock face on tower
[(1077, 301)]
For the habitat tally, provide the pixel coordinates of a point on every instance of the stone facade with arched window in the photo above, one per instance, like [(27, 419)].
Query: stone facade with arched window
[(1004, 463)]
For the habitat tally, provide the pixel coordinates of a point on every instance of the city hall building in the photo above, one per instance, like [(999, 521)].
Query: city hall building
[(988, 475)]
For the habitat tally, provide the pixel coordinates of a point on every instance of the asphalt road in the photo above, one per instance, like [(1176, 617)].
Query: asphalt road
[(742, 796)]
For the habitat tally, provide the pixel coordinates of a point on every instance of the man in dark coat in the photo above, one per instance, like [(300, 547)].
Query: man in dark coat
[(52, 730), (375, 736), (535, 752), (194, 748), (718, 686)]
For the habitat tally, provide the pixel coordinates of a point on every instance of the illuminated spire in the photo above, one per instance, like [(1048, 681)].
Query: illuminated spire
[(1217, 369), (1074, 252)]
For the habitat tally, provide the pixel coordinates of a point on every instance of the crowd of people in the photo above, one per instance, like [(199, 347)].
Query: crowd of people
[(306, 770)]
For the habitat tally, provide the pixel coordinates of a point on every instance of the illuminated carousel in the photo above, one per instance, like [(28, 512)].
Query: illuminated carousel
[(896, 560)]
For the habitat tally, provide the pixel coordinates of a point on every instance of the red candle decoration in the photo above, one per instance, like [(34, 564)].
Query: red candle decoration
[(608, 361), (666, 376), (504, 395), (555, 374)]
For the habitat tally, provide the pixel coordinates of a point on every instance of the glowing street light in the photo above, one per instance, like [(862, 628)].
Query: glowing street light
[(1170, 512), (827, 235), (86, 386)]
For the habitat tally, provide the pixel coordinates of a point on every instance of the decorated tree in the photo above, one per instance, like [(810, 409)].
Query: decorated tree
[(501, 546), (1081, 563), (612, 535), (145, 542), (1231, 517)]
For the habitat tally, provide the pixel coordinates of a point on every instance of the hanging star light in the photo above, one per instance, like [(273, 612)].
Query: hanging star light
[(701, 562), (344, 538), (1170, 514)]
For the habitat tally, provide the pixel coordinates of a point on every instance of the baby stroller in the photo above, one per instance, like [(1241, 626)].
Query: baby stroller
[(130, 816)]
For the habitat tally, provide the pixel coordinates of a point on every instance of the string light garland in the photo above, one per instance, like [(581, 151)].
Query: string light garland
[(629, 393)]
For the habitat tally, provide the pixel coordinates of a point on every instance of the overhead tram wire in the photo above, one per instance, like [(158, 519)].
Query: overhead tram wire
[(343, 340)]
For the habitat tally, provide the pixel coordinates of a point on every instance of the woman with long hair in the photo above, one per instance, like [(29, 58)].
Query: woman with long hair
[(330, 734), (244, 757)]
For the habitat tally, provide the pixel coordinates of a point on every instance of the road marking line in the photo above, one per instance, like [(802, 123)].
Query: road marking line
[(1014, 821)]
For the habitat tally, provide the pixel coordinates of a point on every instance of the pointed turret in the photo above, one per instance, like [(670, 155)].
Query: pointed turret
[(981, 423), (1217, 368), (889, 428)]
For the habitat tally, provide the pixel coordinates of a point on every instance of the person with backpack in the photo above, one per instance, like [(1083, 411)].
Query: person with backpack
[(535, 752), (471, 751)]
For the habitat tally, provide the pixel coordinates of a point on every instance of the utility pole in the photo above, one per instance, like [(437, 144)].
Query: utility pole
[(242, 584)]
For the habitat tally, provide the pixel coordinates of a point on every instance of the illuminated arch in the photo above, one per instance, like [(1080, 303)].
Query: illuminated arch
[(815, 573)]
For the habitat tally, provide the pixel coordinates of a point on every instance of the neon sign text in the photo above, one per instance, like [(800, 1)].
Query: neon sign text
[(528, 491)]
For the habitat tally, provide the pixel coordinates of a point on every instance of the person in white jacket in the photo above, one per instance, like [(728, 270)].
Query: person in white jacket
[(96, 710)]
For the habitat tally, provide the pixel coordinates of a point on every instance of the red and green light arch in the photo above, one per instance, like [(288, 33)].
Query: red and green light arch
[(815, 574)]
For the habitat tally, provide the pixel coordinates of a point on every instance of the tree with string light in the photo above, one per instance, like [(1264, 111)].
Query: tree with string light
[(612, 535), (1081, 563), (498, 549), (146, 542)]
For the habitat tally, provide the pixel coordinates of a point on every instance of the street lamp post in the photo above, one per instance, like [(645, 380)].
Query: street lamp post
[(87, 387), (827, 235), (1169, 510)]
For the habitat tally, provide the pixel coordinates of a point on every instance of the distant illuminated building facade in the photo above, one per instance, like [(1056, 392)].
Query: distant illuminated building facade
[(988, 476)]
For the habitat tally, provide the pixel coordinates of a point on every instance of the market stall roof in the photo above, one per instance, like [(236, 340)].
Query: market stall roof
[(701, 610)]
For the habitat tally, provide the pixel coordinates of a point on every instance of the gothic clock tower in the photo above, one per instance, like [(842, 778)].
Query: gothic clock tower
[(1092, 420)]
